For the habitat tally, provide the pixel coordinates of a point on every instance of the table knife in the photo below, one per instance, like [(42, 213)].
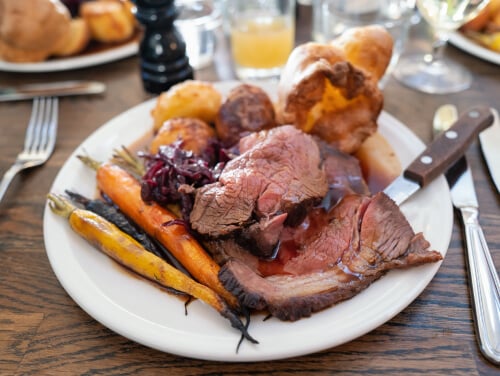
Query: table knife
[(490, 145), (443, 152), (51, 89), (483, 278)]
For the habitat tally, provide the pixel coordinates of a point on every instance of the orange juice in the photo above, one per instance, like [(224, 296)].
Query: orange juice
[(262, 43)]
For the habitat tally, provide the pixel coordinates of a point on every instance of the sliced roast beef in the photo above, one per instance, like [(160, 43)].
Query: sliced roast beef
[(269, 185), (343, 173), (363, 239)]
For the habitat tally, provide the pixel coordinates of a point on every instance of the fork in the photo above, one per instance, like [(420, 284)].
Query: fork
[(39, 141)]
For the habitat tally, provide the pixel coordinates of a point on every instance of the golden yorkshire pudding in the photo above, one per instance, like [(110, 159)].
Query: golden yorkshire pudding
[(330, 90), (31, 30)]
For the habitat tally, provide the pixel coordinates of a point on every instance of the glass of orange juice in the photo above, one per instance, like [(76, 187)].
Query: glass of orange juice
[(262, 36)]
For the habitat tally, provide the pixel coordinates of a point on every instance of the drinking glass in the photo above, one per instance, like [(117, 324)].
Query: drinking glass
[(262, 36), (431, 73), (198, 21)]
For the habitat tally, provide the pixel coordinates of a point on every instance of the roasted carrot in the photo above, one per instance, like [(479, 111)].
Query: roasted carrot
[(125, 191), (110, 212), (128, 252)]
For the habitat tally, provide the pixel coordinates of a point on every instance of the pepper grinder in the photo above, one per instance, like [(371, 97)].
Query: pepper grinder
[(162, 50)]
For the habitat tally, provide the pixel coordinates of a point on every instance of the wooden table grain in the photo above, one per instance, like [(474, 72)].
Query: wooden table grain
[(43, 331)]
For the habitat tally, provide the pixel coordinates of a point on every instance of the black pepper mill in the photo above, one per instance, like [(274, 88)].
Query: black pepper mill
[(162, 50)]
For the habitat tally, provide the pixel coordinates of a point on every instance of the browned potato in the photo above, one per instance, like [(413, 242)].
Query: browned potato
[(378, 159), (195, 134), (247, 109), (194, 99), (109, 21)]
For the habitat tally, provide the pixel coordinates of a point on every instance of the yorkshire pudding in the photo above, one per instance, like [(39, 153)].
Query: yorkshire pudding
[(31, 30), (330, 90)]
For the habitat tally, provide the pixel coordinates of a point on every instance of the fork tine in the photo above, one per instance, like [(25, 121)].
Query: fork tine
[(51, 129), (30, 131), (46, 125), (40, 120)]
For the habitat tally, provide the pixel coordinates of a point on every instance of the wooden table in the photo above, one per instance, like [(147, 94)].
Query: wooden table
[(42, 331)]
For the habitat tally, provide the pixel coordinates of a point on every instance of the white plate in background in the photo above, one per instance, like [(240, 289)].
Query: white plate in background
[(465, 44), (107, 55)]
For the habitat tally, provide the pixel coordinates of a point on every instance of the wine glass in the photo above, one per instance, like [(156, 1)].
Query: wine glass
[(431, 73)]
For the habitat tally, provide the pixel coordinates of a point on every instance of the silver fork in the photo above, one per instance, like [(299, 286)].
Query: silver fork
[(39, 141)]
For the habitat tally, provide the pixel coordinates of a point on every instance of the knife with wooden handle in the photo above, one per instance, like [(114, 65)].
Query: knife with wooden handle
[(483, 277), (441, 154)]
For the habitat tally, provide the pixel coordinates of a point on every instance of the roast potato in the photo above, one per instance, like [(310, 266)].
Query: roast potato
[(109, 21), (194, 133), (194, 99), (378, 159), (247, 109)]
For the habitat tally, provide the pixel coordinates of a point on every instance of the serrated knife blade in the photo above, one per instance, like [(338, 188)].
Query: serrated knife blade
[(490, 145), (443, 152)]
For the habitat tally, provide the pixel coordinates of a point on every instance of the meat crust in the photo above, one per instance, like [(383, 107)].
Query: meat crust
[(365, 237)]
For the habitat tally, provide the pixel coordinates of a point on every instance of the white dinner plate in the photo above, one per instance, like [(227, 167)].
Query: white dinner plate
[(465, 44), (140, 311), (107, 55)]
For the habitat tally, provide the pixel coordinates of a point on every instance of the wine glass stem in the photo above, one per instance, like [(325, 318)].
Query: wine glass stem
[(436, 54)]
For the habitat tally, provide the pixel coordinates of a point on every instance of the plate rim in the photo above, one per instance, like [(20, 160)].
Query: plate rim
[(111, 54), (85, 297), (465, 44)]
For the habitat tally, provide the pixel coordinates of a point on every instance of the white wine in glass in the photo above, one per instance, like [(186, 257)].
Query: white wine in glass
[(430, 73)]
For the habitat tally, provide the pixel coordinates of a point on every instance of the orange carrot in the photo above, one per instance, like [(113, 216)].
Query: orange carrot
[(125, 191)]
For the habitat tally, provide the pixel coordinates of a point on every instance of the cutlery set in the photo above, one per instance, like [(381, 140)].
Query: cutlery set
[(483, 278)]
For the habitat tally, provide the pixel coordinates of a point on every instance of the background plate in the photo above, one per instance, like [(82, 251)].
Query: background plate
[(138, 310), (75, 62), (467, 45)]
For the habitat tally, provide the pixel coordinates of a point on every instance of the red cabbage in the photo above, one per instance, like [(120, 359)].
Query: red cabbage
[(173, 166)]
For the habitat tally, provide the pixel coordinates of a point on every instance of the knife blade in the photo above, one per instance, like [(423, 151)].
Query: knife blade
[(483, 277), (490, 145), (445, 150), (51, 89)]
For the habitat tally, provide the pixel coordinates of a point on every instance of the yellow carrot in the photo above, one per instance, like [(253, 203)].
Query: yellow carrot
[(124, 249)]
